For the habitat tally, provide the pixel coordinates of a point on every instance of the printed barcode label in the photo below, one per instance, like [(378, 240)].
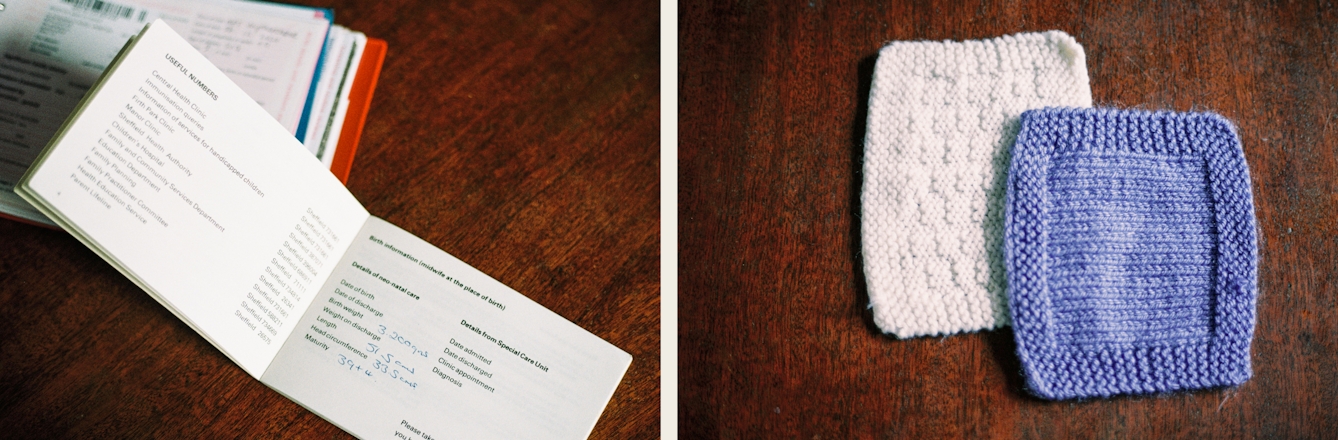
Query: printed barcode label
[(106, 8)]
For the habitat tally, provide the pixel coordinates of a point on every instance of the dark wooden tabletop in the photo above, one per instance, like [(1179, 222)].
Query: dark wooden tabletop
[(520, 136), (775, 338)]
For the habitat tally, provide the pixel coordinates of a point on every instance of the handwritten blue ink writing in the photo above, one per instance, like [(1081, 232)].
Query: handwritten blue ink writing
[(352, 366), (386, 364), (397, 337)]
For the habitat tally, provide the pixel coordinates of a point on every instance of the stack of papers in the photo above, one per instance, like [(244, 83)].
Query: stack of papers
[(292, 60)]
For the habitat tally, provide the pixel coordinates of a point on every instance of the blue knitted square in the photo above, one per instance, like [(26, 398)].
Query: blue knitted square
[(1129, 243)]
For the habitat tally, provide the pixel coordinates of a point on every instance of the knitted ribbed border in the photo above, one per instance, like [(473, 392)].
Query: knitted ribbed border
[(1101, 365), (942, 117)]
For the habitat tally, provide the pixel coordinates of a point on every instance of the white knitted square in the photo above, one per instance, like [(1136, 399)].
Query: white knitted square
[(942, 120)]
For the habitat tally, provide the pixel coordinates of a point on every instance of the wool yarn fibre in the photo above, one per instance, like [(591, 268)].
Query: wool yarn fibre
[(1131, 252), (942, 119)]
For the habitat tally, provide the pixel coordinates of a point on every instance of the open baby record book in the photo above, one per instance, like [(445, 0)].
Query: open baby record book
[(314, 77), (171, 173)]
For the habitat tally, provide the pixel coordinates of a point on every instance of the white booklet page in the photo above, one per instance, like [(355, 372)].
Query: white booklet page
[(185, 183), (51, 52), (429, 347)]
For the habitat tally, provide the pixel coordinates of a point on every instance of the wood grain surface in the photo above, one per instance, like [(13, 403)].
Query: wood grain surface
[(775, 338), (520, 136)]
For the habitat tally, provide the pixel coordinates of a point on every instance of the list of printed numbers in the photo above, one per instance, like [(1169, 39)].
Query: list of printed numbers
[(288, 277)]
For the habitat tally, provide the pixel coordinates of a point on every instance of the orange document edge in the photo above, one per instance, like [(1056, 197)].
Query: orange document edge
[(360, 100)]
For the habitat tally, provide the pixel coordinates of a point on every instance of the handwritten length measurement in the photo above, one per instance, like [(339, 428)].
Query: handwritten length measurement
[(388, 365)]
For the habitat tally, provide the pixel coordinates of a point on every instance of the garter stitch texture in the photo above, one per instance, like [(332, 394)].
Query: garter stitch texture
[(1130, 241), (942, 118)]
